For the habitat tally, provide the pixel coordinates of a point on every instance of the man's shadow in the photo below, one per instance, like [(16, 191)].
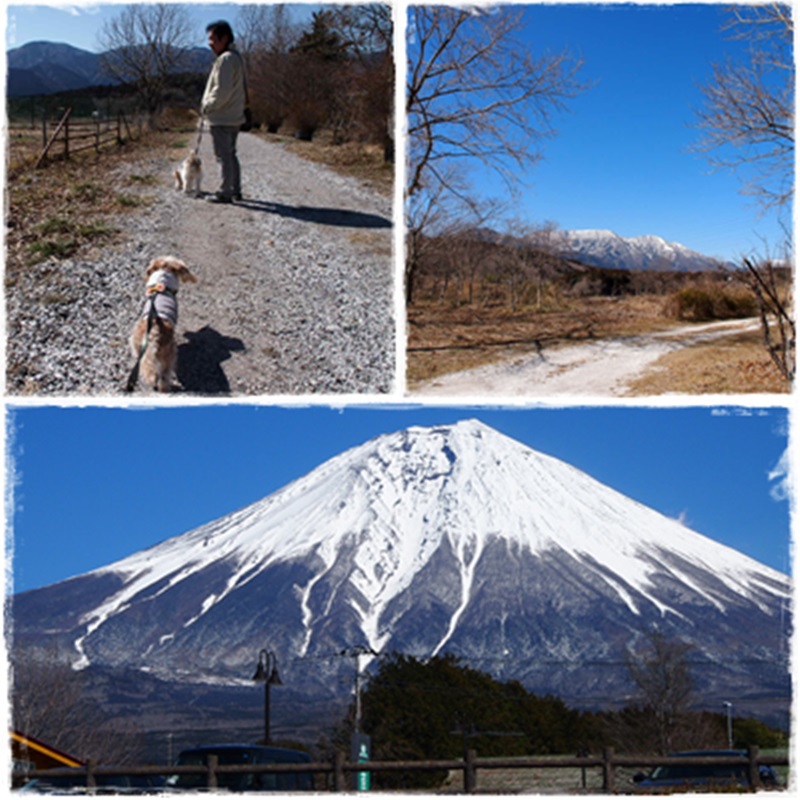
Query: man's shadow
[(199, 361), (338, 217)]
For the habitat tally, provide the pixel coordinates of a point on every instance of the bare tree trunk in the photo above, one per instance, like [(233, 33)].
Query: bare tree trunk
[(777, 323)]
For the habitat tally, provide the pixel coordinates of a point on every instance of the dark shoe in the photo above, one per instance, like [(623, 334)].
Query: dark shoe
[(219, 198), (237, 198)]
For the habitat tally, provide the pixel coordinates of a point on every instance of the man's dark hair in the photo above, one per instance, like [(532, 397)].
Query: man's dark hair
[(221, 29)]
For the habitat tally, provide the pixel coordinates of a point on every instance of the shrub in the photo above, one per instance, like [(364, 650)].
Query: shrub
[(705, 303)]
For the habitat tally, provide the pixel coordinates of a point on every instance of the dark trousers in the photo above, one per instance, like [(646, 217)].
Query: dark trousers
[(224, 138)]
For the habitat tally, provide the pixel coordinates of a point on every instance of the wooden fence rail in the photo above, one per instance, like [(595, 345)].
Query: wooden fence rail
[(75, 136), (338, 771)]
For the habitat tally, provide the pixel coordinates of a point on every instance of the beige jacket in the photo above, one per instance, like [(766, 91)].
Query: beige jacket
[(224, 97)]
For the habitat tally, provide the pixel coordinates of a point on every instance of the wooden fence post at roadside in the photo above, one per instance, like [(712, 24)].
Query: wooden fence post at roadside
[(63, 124)]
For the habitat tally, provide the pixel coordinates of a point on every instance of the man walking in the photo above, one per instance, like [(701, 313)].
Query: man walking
[(223, 106)]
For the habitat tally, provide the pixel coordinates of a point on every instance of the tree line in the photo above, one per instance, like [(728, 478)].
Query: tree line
[(336, 72), (437, 708), (419, 709)]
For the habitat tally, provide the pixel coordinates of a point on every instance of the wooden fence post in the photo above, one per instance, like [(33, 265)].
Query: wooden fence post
[(211, 775), (609, 785), (63, 123), (755, 777), (91, 779), (470, 772), (339, 784)]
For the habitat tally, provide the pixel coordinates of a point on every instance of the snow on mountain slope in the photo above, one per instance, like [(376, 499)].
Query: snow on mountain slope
[(604, 248), (425, 540), (400, 496)]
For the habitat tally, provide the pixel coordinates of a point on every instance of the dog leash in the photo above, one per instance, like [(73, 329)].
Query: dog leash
[(199, 134), (152, 317)]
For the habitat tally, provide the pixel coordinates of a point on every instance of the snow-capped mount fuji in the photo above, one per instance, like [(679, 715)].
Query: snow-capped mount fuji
[(445, 539), (604, 248)]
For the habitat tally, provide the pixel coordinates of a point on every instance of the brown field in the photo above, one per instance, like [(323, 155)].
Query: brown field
[(444, 339), (737, 364)]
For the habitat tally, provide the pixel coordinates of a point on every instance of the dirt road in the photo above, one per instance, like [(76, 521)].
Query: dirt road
[(294, 292), (603, 369)]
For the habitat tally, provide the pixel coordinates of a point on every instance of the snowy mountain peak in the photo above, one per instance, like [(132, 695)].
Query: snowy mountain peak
[(604, 248), (424, 540), (394, 503)]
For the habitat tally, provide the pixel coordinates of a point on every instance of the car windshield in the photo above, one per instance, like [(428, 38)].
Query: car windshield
[(701, 772)]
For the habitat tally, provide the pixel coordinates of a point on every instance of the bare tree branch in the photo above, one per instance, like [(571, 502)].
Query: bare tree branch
[(474, 95), (146, 45), (747, 120), (474, 92)]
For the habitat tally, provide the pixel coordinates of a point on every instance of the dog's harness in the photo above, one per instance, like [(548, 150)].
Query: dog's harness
[(161, 303)]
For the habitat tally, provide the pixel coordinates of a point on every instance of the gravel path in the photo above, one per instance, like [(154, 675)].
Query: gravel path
[(294, 292), (603, 368)]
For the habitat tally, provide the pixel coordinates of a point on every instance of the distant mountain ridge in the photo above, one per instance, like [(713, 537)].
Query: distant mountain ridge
[(42, 68), (604, 248), (50, 67)]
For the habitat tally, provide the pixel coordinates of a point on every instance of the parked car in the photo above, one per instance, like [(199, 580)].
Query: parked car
[(245, 781), (105, 784), (704, 775)]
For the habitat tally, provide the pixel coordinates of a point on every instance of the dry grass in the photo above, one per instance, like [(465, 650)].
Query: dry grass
[(71, 206), (739, 364), (362, 161), (445, 339), (450, 339)]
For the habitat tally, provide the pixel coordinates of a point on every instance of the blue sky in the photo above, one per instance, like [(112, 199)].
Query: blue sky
[(96, 484), (78, 24), (621, 159)]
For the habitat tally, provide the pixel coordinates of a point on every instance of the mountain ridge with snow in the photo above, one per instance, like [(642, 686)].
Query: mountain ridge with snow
[(605, 248)]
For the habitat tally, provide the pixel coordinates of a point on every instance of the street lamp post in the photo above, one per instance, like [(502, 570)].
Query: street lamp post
[(267, 672), (729, 707)]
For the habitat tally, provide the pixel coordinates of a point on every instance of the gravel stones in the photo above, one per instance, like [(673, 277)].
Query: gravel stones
[(294, 293)]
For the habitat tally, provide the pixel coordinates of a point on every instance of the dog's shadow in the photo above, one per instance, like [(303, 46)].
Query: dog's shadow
[(199, 367)]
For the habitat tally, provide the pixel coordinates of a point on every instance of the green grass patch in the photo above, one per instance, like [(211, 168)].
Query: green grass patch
[(143, 180), (130, 201), (53, 248), (87, 192)]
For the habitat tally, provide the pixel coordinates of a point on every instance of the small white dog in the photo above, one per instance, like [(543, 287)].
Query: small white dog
[(190, 174), (153, 337)]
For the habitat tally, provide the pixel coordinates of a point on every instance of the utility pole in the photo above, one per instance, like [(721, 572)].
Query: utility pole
[(357, 652), (360, 744), (729, 707)]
